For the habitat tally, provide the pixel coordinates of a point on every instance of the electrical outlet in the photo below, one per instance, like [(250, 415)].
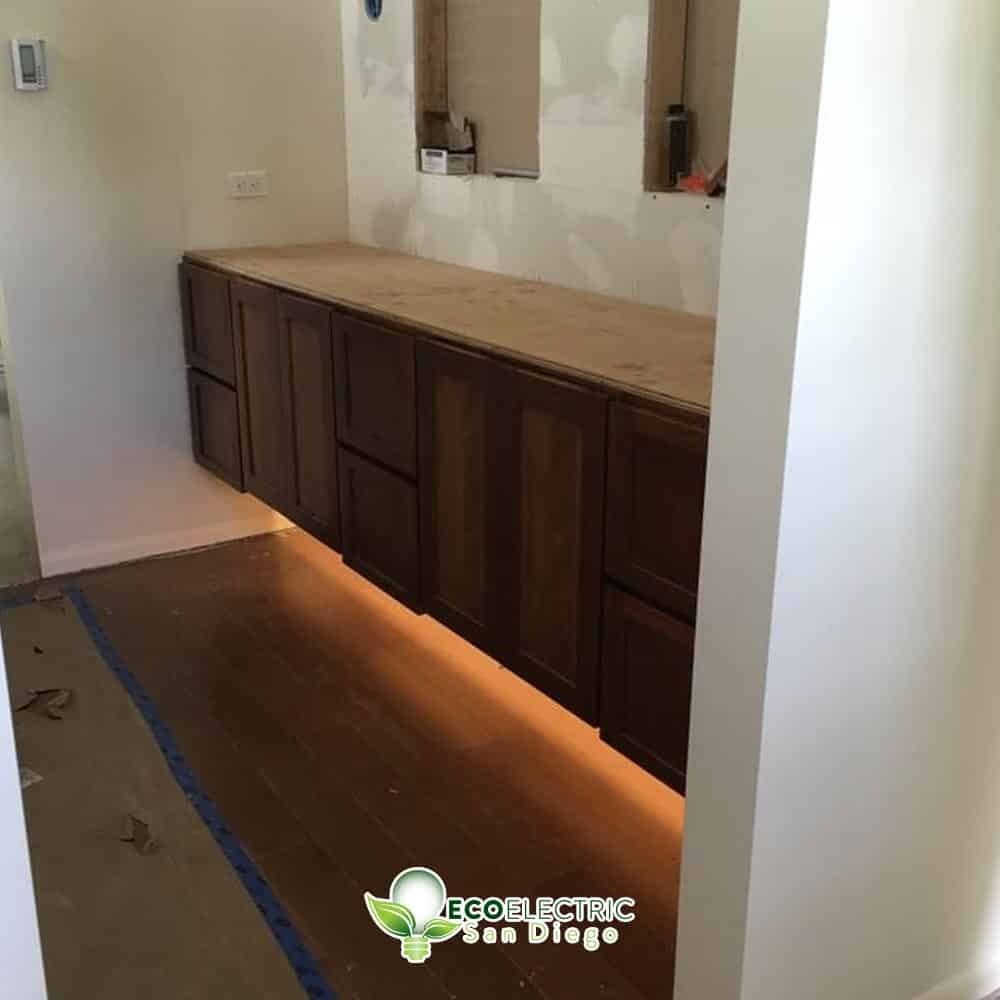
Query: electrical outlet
[(258, 184), (249, 184)]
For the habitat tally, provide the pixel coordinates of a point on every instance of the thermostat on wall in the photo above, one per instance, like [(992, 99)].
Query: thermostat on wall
[(29, 63)]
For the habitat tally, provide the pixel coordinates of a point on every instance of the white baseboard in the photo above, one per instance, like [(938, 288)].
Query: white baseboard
[(980, 983), (80, 557)]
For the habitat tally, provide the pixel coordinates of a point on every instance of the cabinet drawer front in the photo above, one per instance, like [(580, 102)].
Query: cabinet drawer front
[(208, 327), (307, 353), (646, 685), (380, 533), (376, 392), (261, 392), (215, 428), (557, 504), (656, 496), (458, 494)]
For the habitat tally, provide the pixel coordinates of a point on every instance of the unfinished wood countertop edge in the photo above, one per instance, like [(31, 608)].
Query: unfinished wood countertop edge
[(213, 260)]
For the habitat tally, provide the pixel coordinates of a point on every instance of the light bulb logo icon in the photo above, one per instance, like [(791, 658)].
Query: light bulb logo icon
[(412, 913)]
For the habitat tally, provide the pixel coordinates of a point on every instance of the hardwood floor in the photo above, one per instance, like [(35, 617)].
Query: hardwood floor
[(344, 738)]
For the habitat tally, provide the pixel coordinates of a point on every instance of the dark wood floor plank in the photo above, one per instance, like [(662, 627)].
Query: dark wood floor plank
[(344, 739), (639, 964), (369, 853), (360, 961)]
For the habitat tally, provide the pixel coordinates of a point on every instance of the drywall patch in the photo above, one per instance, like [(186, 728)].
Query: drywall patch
[(589, 261), (415, 236), (379, 78), (483, 252), (450, 197), (551, 63), (591, 139), (593, 160), (498, 208), (376, 49), (607, 203), (605, 64), (391, 222), (627, 57), (695, 250)]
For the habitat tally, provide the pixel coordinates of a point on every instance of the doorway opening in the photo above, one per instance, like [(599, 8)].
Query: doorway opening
[(18, 546)]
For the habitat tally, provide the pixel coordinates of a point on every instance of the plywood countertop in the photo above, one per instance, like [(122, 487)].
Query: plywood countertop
[(654, 352)]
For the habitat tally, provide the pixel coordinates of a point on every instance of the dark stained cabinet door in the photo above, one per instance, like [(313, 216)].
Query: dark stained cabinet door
[(376, 392), (380, 532), (215, 427), (656, 497), (554, 495), (263, 419), (307, 370), (208, 327), (461, 491), (646, 689)]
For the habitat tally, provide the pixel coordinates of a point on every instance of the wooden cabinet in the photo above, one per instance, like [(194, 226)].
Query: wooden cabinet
[(462, 487), (208, 327), (261, 392), (512, 501), (380, 531), (215, 427), (376, 392), (656, 496), (313, 500), (646, 685), (556, 530), (278, 353), (553, 492)]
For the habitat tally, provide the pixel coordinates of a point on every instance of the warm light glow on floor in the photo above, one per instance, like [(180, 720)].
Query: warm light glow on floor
[(449, 688)]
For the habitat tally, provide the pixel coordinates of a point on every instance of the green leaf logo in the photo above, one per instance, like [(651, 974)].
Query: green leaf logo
[(440, 929), (394, 918), (412, 913)]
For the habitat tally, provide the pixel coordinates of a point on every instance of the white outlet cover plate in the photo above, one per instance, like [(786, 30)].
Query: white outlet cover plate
[(258, 183), (249, 184)]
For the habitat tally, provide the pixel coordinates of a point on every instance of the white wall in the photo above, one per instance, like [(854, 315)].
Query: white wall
[(874, 853), (104, 180), (586, 223), (774, 132), (20, 946)]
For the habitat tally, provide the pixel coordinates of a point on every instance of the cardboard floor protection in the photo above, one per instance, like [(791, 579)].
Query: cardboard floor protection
[(122, 919)]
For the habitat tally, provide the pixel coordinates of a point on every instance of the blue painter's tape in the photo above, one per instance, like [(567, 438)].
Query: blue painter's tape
[(299, 957)]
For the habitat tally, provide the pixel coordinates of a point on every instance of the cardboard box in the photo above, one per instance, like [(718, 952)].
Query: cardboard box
[(441, 161)]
